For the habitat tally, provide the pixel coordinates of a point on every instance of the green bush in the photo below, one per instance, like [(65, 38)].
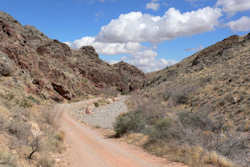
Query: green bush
[(166, 130), (96, 104), (129, 122)]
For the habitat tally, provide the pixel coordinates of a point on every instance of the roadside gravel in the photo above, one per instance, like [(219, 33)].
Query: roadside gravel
[(104, 116)]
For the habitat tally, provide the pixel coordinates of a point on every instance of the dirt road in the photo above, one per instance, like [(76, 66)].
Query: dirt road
[(88, 148)]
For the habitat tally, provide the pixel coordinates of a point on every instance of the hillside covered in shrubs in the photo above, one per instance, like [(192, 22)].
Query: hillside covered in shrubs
[(197, 111)]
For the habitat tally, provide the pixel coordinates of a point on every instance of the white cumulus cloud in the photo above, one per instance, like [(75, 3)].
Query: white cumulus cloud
[(106, 48), (147, 61), (142, 57), (233, 6), (242, 24), (154, 5), (127, 34), (139, 27)]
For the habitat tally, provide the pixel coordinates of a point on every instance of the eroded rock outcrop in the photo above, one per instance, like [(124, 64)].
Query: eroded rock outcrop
[(53, 69)]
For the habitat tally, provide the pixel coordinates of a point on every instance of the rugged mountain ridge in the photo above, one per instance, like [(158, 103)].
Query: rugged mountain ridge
[(52, 70), (218, 53)]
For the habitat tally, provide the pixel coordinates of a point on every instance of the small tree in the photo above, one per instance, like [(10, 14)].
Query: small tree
[(35, 146)]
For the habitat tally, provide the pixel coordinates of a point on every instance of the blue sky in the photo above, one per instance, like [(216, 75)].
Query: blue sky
[(150, 34)]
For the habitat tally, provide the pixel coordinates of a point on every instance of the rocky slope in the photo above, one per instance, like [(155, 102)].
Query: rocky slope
[(217, 76), (51, 70), (203, 102)]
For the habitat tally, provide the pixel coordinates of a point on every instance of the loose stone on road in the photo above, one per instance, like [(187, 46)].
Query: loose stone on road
[(104, 116)]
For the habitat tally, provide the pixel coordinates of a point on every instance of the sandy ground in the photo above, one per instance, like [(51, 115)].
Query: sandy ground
[(89, 148)]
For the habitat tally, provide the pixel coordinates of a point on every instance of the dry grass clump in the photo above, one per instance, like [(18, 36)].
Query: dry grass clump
[(45, 161), (196, 156), (218, 160), (54, 141), (48, 117), (25, 103), (7, 158)]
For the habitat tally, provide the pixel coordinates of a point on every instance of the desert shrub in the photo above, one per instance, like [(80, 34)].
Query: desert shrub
[(45, 161), (148, 117), (53, 140), (33, 99), (197, 138), (60, 136), (25, 103), (48, 117), (151, 109), (96, 104), (9, 96), (233, 146), (166, 130), (196, 120), (2, 123), (20, 129), (129, 122), (178, 95), (8, 159), (55, 143)]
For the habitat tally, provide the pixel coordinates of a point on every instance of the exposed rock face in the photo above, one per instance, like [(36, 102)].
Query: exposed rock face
[(103, 74), (33, 37), (60, 89), (131, 75), (52, 69)]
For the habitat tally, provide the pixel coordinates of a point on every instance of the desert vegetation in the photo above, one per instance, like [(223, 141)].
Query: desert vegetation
[(30, 136), (196, 112), (194, 138)]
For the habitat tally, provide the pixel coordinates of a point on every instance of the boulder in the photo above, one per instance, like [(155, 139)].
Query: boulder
[(6, 65), (89, 51)]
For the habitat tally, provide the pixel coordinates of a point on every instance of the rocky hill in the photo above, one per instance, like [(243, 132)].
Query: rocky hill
[(50, 69), (200, 105), (217, 76)]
